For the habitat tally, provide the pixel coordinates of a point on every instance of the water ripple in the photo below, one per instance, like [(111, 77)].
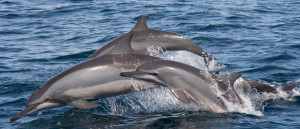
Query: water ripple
[(74, 56), (266, 68), (280, 57), (220, 27)]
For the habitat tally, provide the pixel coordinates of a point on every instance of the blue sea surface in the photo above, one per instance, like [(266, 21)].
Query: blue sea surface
[(40, 38)]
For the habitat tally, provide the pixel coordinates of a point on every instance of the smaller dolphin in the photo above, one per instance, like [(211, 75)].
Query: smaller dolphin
[(90, 80), (187, 83), (190, 84), (261, 87), (144, 38)]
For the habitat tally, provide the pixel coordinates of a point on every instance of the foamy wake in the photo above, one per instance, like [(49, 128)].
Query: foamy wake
[(192, 60)]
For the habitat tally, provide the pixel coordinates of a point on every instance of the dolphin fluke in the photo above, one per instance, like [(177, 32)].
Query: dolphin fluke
[(27, 110)]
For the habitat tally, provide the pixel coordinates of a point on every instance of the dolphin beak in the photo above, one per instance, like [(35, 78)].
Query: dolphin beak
[(27, 110), (131, 74)]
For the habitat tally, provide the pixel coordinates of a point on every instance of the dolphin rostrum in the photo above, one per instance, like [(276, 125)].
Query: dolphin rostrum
[(188, 83), (144, 38), (90, 80)]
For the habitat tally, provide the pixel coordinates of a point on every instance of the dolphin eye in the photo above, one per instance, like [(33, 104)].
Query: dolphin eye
[(154, 74)]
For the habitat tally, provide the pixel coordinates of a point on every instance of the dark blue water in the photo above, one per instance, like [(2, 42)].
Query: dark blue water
[(38, 39)]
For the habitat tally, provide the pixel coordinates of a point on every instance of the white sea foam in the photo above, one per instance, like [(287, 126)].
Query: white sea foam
[(191, 59), (151, 101)]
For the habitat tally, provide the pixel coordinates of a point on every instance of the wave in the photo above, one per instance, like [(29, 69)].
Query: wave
[(280, 57), (265, 68), (11, 49), (72, 57), (79, 55), (295, 46), (34, 60), (15, 70), (238, 16), (214, 40), (212, 27), (266, 10)]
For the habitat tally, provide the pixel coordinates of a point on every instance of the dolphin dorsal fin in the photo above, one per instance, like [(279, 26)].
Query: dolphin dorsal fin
[(124, 46), (140, 25)]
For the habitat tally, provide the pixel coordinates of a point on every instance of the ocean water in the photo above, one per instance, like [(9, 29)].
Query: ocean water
[(259, 39)]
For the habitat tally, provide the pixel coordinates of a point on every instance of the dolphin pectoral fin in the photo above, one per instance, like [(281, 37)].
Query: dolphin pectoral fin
[(27, 110), (83, 104), (181, 95)]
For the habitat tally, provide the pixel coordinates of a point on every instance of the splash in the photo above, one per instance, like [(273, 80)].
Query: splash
[(191, 59), (159, 100), (251, 102), (239, 97), (155, 50)]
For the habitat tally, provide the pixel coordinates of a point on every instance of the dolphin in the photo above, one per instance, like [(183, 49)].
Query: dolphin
[(261, 87), (187, 83), (90, 80), (144, 38)]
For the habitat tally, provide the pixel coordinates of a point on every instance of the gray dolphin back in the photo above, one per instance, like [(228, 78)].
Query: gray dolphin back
[(144, 38)]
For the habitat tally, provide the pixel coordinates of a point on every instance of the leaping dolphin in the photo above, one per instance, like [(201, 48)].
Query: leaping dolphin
[(190, 84), (187, 83), (144, 38), (93, 79)]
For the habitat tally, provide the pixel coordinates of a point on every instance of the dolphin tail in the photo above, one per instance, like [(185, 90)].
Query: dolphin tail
[(26, 111)]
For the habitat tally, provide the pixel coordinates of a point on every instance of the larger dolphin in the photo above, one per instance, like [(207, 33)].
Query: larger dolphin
[(90, 80), (145, 38)]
